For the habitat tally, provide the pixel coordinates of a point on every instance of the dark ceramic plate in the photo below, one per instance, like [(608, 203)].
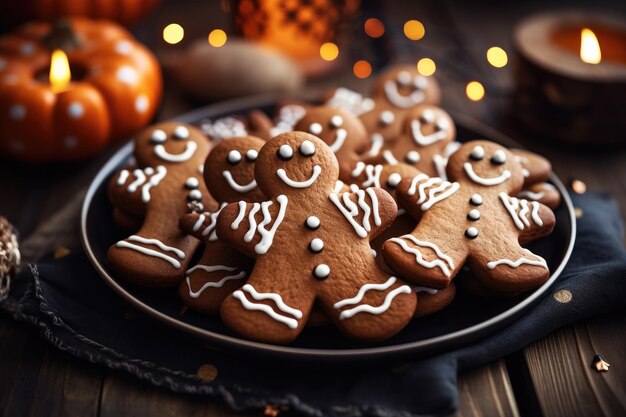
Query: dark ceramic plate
[(466, 320)]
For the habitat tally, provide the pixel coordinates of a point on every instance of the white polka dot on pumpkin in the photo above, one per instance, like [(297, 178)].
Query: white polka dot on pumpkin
[(27, 48), (75, 110), (127, 75), (70, 142), (17, 112), (141, 104), (16, 146), (123, 47)]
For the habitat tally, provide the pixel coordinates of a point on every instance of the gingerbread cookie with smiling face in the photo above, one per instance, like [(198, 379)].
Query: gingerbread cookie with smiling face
[(167, 177), (472, 218), (428, 130), (403, 87), (341, 130), (229, 176), (310, 244)]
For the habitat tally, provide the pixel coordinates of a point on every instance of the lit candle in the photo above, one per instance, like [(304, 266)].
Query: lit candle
[(60, 74)]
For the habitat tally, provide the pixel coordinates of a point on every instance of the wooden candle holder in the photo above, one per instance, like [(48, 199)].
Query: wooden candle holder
[(559, 95)]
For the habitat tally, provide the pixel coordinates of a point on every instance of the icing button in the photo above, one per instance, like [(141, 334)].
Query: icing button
[(312, 223), (192, 183), (413, 157), (316, 245), (473, 215), (471, 233), (321, 271), (195, 195), (476, 199)]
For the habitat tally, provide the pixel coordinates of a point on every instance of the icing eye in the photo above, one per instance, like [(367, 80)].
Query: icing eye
[(477, 153), (181, 132), (315, 128), (387, 117), (404, 78), (427, 116), (158, 136), (499, 157), (413, 157), (393, 180), (420, 83), (285, 152), (251, 155), (307, 148), (336, 121), (234, 157), (442, 124)]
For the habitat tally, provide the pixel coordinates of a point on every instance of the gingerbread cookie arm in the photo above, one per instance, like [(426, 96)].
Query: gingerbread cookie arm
[(535, 167), (368, 211), (250, 227), (130, 188), (420, 193), (531, 218), (201, 225), (543, 192)]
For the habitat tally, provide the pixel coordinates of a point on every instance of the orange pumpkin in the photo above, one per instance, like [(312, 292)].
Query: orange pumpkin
[(125, 12), (115, 91)]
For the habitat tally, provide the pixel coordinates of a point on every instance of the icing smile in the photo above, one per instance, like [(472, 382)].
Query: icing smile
[(399, 100), (469, 170), (317, 170), (190, 149), (339, 140), (236, 186), (420, 139)]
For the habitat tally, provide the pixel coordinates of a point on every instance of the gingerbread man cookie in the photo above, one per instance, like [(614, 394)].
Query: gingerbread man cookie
[(311, 243), (229, 176), (472, 218), (403, 87), (428, 130), (535, 167), (543, 192), (167, 177), (342, 131)]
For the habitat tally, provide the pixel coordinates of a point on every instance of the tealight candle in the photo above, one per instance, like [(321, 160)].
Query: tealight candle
[(572, 76), (69, 89)]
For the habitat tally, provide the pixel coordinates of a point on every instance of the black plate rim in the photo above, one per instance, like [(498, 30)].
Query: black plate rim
[(454, 339)]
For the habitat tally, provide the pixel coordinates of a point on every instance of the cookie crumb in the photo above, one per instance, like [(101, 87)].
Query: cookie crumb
[(207, 372)]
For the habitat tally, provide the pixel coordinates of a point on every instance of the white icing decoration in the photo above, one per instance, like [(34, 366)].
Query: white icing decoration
[(190, 149), (350, 210), (413, 157), (451, 148), (338, 186), (404, 78), (158, 136), (351, 101), (421, 140), (340, 138), (285, 152), (240, 215), (210, 229), (150, 252), (198, 223), (469, 170), (267, 236), (472, 232), (440, 166), (438, 190), (476, 199), (224, 128), (288, 321), (444, 262), (252, 154), (387, 117), (315, 128), (321, 271), (252, 222), (234, 157), (431, 291), (515, 264), (394, 179), (195, 195), (374, 254), (181, 132), (474, 214), (366, 308), (361, 293), (377, 143), (317, 245), (235, 186), (399, 100), (525, 172), (192, 183), (358, 169), (210, 284), (287, 118), (336, 121), (307, 148), (317, 170), (313, 222), (373, 173), (531, 195), (121, 180), (161, 172), (389, 158), (478, 152), (520, 219), (499, 156)]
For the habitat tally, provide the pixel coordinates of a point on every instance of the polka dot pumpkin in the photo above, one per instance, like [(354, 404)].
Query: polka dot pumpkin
[(115, 91)]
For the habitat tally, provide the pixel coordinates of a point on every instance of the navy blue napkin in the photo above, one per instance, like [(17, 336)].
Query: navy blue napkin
[(77, 312)]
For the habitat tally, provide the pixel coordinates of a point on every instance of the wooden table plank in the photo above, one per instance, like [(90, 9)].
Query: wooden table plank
[(486, 392)]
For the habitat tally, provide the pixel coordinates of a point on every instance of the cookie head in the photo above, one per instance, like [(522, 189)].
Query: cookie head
[(404, 87), (229, 169), (487, 164), (296, 162), (170, 143), (338, 128), (428, 124)]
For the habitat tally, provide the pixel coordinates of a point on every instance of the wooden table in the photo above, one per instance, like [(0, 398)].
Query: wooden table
[(552, 377)]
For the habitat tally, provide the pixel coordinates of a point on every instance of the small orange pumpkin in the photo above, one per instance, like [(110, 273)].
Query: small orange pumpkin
[(115, 91)]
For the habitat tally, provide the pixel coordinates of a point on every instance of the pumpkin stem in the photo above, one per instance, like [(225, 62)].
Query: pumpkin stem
[(61, 36)]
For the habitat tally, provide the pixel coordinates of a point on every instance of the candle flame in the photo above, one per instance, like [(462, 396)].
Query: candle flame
[(59, 71), (589, 47)]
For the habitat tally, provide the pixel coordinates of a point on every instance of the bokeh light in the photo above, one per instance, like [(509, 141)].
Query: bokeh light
[(414, 30), (217, 38), (497, 57), (475, 91), (374, 27), (329, 51), (426, 67), (362, 69), (173, 33)]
